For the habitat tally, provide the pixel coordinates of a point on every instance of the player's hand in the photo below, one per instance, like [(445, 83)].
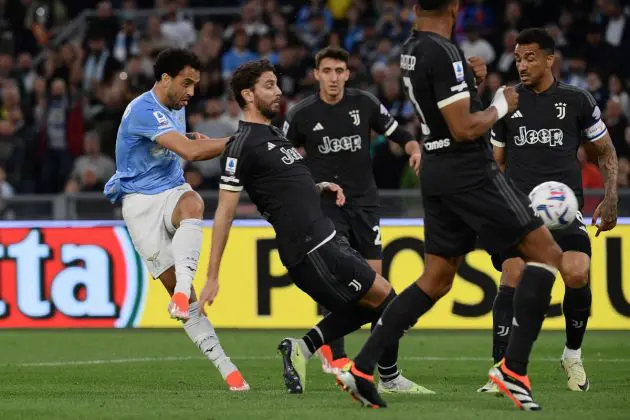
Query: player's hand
[(414, 162), (479, 68), (607, 209), (334, 188), (208, 294), (197, 136)]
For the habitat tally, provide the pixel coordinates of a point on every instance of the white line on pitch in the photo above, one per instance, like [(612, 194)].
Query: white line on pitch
[(186, 358)]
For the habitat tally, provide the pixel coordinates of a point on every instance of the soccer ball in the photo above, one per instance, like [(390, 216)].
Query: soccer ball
[(555, 203)]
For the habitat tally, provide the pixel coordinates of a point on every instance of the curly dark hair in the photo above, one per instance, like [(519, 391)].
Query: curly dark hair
[(173, 60), (246, 76), (537, 36)]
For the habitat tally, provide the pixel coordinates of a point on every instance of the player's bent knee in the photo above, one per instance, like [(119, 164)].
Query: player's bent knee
[(539, 247), (191, 206), (575, 270), (511, 271)]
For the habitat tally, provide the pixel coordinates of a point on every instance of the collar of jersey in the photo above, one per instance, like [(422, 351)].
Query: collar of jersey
[(158, 102), (545, 92)]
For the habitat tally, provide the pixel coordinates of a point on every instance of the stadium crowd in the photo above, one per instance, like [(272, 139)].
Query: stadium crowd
[(58, 119)]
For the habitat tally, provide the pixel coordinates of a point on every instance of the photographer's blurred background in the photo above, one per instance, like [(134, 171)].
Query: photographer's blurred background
[(69, 68)]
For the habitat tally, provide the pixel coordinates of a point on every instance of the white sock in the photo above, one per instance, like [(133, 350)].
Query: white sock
[(202, 333), (186, 246), (571, 354), (307, 353)]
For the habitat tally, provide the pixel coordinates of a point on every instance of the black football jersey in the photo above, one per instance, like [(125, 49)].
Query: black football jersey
[(435, 74), (337, 140), (542, 136), (261, 160)]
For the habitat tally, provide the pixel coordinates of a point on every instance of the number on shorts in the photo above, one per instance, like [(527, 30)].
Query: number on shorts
[(377, 229)]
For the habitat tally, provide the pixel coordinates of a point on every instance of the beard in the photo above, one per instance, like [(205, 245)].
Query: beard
[(266, 109)]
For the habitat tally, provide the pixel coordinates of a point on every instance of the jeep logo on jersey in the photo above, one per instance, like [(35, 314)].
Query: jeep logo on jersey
[(356, 118), (552, 137), (351, 143), (290, 155), (70, 277)]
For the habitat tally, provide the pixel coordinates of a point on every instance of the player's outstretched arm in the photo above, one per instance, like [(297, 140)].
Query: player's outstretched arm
[(223, 217), (466, 126), (202, 148), (609, 166)]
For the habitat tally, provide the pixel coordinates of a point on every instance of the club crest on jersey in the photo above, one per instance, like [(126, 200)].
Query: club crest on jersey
[(562, 110), (458, 68), (356, 119), (290, 155), (230, 165)]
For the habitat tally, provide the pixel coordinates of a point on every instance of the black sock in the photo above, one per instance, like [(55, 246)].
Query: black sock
[(531, 301), (502, 314), (401, 315), (576, 307), (337, 346), (388, 362)]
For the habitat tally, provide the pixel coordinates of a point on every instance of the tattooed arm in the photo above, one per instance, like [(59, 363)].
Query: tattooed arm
[(608, 165)]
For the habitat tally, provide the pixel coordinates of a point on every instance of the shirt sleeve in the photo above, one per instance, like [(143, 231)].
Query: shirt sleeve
[(381, 120), (291, 129), (448, 74), (497, 134), (149, 123), (231, 169), (590, 119)]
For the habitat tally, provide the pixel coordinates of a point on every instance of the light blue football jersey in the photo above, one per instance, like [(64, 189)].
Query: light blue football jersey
[(142, 165)]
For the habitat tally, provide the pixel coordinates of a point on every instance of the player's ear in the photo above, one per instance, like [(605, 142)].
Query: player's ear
[(551, 58), (166, 79), (248, 95)]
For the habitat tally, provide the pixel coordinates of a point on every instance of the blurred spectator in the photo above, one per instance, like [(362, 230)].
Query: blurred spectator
[(6, 190), (237, 55), (597, 89), (137, 81), (615, 87), (354, 32), (315, 8), (314, 33), (177, 32), (388, 25), (232, 115), (92, 170), (615, 23), (393, 99), (214, 127), (265, 50), (251, 22), (25, 72), (99, 64), (591, 178), (617, 124), (154, 37), (474, 45), (506, 65), (104, 24), (127, 41), (490, 87), (57, 161), (576, 75), (474, 13)]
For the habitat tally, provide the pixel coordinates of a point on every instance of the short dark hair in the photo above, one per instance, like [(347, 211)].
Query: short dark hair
[(332, 52), (246, 76), (537, 36), (434, 4), (173, 60)]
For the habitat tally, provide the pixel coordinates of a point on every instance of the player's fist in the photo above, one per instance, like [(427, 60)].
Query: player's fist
[(511, 96), (479, 68)]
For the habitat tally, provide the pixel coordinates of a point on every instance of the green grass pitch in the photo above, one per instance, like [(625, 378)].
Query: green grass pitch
[(159, 374)]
